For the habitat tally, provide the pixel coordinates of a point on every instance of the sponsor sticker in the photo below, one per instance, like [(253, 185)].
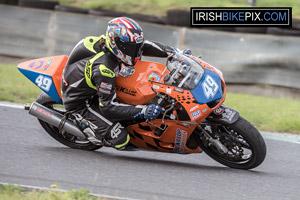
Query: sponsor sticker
[(155, 87), (31, 65), (106, 72), (180, 140), (204, 110), (194, 108), (116, 130), (153, 77), (88, 69), (44, 112), (104, 91), (106, 86), (178, 90), (196, 115), (229, 114), (49, 62), (127, 91), (168, 91)]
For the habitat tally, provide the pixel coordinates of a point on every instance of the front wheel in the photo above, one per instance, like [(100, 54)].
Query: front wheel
[(244, 145)]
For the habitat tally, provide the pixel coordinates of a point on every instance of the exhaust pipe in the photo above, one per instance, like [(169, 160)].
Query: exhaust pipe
[(53, 118)]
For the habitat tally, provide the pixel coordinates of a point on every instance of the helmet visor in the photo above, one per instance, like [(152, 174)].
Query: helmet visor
[(131, 49)]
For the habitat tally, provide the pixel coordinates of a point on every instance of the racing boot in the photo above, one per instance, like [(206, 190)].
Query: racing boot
[(87, 129)]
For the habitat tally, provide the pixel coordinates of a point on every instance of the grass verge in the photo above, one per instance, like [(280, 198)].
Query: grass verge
[(269, 114), (15, 87), (158, 7), (12, 192)]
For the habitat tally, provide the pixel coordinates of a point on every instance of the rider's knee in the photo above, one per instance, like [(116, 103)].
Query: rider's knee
[(118, 136)]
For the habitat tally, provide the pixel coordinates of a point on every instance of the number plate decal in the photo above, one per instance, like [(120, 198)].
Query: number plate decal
[(43, 82), (210, 87)]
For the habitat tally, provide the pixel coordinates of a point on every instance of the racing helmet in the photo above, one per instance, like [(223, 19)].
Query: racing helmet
[(125, 39)]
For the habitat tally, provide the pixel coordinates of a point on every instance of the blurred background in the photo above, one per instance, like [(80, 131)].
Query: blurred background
[(260, 65)]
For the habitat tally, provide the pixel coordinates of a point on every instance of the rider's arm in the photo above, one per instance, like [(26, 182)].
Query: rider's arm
[(156, 49), (105, 82)]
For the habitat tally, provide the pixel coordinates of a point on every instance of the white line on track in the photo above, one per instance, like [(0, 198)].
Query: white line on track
[(11, 105), (286, 137), (29, 187)]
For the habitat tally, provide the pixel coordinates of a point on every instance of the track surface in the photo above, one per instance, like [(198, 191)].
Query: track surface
[(28, 156)]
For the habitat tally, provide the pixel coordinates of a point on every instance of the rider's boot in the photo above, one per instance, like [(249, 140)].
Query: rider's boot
[(90, 136), (88, 131)]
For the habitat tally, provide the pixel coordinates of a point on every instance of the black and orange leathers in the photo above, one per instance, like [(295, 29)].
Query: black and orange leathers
[(77, 92)]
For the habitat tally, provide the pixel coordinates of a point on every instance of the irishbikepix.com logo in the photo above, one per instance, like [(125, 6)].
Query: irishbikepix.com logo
[(258, 16)]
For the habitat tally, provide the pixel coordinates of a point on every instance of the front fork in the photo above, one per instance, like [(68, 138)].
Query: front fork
[(222, 115)]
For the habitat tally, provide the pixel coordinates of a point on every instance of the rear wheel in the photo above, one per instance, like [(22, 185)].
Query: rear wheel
[(245, 147), (66, 138)]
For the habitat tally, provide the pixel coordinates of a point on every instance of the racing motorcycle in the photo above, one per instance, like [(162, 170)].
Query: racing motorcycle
[(194, 118)]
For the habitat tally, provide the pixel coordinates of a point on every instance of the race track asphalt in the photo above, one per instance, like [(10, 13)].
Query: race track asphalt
[(28, 156)]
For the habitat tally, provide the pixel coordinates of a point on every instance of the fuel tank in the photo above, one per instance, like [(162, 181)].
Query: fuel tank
[(136, 89)]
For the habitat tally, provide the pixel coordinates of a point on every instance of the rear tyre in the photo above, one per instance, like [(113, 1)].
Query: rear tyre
[(246, 146), (67, 138)]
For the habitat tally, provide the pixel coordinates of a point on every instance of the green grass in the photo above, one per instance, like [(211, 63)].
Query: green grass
[(15, 87), (12, 192), (270, 114), (160, 7)]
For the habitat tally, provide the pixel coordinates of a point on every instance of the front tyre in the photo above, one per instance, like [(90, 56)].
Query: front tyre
[(245, 145)]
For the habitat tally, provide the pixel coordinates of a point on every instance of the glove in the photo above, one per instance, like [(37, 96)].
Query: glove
[(149, 112), (187, 52)]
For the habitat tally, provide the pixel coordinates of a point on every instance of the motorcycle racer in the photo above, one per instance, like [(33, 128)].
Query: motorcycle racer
[(191, 91), (89, 81)]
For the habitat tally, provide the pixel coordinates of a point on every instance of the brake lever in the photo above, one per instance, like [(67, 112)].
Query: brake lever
[(163, 118)]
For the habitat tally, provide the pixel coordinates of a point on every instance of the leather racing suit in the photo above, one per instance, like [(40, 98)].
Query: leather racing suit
[(89, 84)]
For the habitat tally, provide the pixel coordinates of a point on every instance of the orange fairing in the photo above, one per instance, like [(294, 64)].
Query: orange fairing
[(52, 66), (135, 89), (141, 87), (173, 139), (186, 99)]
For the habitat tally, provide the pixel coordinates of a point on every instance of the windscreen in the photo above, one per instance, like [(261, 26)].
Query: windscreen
[(184, 72)]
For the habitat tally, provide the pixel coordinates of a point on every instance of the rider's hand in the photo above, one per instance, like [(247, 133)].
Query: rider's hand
[(187, 52), (149, 112)]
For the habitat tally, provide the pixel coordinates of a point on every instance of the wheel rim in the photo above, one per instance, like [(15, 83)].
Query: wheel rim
[(66, 136), (239, 149)]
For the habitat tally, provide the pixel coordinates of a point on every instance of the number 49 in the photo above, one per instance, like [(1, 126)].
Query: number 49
[(210, 87), (43, 82)]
